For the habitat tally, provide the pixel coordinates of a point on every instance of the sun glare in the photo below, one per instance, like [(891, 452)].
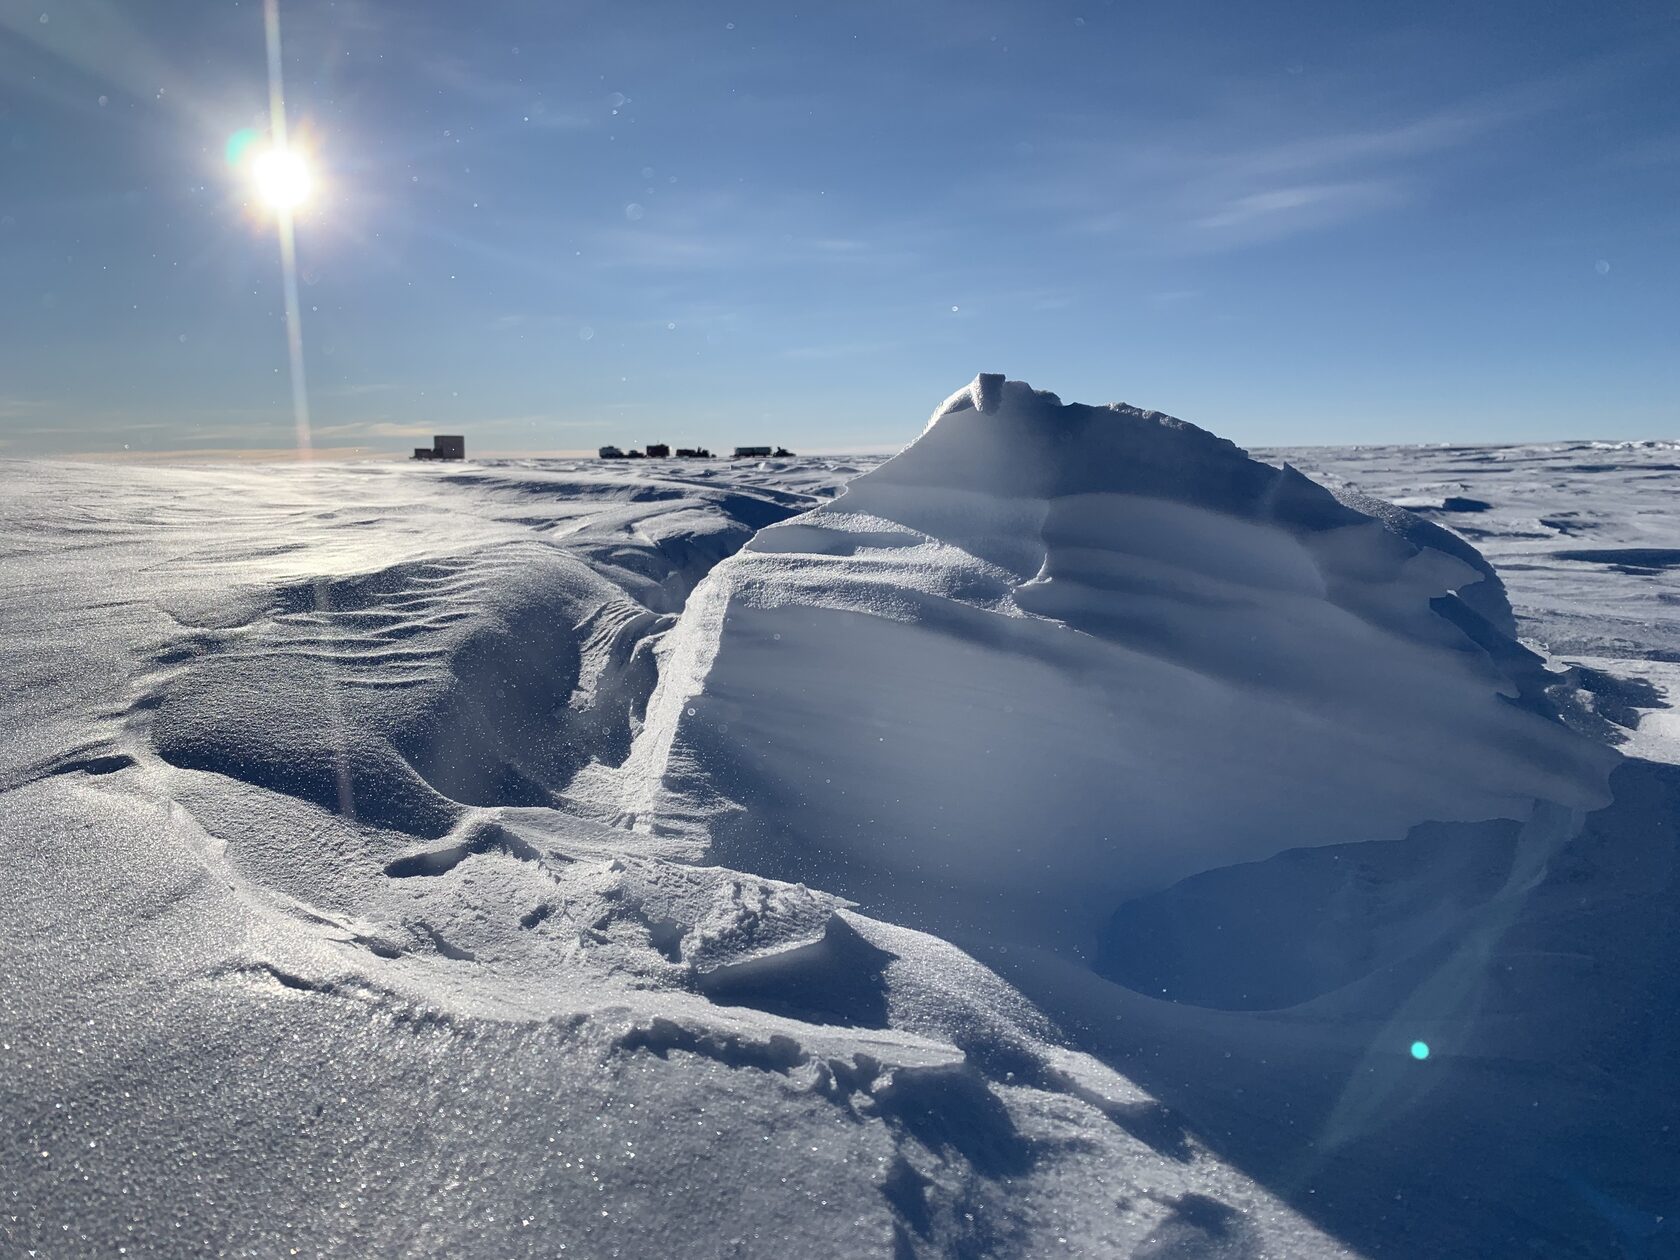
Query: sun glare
[(282, 178)]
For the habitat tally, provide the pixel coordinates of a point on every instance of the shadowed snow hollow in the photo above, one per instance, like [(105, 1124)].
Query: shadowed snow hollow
[(1053, 656)]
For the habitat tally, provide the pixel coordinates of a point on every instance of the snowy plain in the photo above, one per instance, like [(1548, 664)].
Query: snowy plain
[(1070, 837)]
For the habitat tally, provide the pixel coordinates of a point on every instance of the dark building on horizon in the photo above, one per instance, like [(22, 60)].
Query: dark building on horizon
[(444, 446)]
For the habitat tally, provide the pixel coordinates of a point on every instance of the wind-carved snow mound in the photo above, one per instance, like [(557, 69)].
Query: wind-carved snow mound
[(1053, 656)]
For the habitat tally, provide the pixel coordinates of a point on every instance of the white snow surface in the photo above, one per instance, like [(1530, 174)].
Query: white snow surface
[(1049, 841), (1052, 656)]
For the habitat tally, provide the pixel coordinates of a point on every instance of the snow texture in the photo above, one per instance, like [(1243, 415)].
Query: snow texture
[(1049, 841)]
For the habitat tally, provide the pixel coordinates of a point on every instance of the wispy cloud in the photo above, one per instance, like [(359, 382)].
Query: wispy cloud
[(1224, 180), (1303, 205), (662, 249)]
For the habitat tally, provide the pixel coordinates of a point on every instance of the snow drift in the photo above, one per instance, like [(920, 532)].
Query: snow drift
[(1053, 656), (401, 859)]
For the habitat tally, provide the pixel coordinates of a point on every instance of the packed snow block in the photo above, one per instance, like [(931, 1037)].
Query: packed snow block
[(1051, 657)]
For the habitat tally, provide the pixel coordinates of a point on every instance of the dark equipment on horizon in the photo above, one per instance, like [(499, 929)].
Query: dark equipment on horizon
[(658, 450), (655, 450)]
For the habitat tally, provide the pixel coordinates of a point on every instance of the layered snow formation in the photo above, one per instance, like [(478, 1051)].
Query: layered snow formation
[(1056, 840), (1051, 656)]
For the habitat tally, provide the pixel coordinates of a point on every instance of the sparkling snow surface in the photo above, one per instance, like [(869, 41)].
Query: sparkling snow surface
[(1056, 845)]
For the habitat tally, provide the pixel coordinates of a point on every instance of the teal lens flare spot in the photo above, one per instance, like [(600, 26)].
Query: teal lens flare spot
[(239, 143), (1420, 1050)]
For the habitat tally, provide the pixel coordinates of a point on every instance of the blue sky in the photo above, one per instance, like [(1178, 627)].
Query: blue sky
[(552, 225)]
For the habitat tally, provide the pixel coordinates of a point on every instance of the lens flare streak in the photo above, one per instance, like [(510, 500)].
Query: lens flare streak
[(288, 238)]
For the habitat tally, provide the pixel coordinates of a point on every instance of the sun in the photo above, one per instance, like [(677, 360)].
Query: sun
[(282, 178)]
